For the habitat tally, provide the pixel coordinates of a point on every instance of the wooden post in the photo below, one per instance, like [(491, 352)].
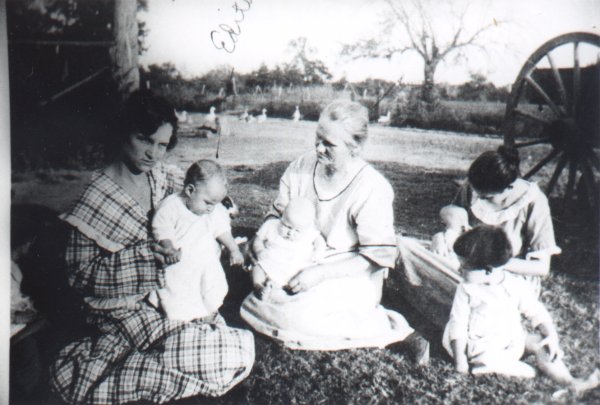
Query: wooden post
[(5, 196), (125, 51)]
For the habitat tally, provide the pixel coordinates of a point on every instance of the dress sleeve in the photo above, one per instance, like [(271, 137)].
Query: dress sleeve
[(220, 221), (539, 229), (458, 324), (163, 223), (99, 273), (375, 226)]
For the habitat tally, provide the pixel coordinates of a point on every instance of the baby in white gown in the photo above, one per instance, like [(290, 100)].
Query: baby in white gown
[(456, 220), (286, 245)]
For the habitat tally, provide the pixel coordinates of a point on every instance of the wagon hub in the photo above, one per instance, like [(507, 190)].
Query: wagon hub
[(566, 136)]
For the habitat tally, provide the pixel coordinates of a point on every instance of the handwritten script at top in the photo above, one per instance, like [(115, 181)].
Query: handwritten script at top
[(227, 35)]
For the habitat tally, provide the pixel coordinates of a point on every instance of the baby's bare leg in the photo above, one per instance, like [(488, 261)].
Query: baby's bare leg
[(259, 277), (557, 370)]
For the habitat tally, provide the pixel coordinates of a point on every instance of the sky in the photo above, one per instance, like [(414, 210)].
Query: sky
[(180, 33)]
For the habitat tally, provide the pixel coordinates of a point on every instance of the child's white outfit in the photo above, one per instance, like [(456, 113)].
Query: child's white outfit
[(282, 258), (442, 244), (488, 317), (196, 285)]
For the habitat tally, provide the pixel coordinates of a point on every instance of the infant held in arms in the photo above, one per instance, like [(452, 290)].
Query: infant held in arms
[(285, 246)]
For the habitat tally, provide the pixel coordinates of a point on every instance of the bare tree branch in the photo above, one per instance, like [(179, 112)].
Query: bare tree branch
[(410, 25)]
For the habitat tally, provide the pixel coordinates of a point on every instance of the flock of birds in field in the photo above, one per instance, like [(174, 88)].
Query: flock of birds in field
[(214, 124)]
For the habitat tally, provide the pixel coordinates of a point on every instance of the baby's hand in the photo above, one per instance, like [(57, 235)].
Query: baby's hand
[(236, 258), (552, 346), (171, 255)]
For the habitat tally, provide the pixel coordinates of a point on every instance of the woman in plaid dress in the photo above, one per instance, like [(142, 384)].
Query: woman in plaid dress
[(112, 261)]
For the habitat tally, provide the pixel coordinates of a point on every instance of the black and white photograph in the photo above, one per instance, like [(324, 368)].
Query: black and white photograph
[(362, 201)]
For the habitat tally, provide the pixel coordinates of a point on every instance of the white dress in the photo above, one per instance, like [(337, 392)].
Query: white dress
[(195, 286), (344, 312)]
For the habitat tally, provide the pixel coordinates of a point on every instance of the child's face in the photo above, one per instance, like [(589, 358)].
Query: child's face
[(289, 228), (203, 197)]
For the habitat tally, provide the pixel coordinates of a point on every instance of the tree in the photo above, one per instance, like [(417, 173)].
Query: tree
[(314, 70), (432, 29)]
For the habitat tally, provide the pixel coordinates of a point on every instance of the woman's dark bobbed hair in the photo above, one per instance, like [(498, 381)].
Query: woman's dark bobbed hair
[(484, 247), (494, 171), (144, 112)]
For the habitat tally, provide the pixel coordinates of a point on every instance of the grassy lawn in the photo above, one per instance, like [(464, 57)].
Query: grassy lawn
[(422, 167)]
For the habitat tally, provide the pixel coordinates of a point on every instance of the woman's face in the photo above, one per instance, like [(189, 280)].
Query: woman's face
[(331, 144), (496, 199), (142, 152)]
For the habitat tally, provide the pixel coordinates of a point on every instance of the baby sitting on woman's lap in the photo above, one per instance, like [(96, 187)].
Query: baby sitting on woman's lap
[(285, 246), (485, 333), (456, 220), (189, 227)]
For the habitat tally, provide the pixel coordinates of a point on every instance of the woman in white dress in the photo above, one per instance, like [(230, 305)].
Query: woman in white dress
[(336, 304)]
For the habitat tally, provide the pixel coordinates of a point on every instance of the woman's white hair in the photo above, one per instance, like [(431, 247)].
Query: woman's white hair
[(353, 116)]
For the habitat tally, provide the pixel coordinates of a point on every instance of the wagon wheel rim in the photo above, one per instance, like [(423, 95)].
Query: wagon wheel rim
[(569, 126)]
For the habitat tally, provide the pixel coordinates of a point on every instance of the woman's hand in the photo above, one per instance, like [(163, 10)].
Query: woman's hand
[(305, 279)]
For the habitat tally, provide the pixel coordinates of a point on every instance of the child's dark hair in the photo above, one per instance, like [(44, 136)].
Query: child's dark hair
[(494, 171), (483, 247), (144, 112), (202, 171)]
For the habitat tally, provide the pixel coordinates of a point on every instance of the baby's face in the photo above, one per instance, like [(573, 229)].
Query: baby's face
[(456, 221), (289, 228), (205, 196)]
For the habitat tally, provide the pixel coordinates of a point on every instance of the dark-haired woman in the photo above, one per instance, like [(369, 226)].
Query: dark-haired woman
[(496, 195), (138, 354)]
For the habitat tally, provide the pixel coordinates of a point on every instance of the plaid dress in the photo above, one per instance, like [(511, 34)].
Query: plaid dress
[(138, 354)]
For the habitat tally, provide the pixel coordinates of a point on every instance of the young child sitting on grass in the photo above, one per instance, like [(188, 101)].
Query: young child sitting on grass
[(456, 220), (485, 333), (285, 246), (189, 226)]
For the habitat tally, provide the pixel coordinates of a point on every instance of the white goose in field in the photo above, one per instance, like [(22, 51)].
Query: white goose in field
[(385, 119), (244, 116), (250, 118), (262, 117), (210, 122), (296, 116), (182, 117), (211, 115)]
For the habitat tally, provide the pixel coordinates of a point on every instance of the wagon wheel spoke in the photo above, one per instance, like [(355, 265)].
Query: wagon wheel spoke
[(559, 168), (534, 142), (594, 160), (541, 163), (571, 181), (576, 77), (561, 86), (531, 117), (588, 181), (544, 95)]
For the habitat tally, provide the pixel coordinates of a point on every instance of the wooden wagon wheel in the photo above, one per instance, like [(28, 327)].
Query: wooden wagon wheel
[(553, 113)]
